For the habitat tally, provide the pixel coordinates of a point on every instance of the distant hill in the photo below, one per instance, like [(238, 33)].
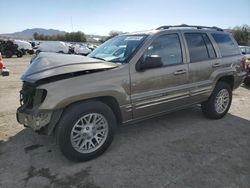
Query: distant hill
[(28, 33)]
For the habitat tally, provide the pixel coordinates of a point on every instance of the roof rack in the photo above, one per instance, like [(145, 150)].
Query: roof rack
[(192, 26)]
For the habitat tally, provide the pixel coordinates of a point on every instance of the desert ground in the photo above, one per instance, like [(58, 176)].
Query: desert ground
[(181, 149)]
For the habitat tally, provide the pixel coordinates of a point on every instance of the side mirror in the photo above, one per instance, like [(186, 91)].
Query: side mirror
[(150, 62)]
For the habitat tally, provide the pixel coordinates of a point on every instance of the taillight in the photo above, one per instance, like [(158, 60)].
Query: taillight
[(1, 61), (244, 64)]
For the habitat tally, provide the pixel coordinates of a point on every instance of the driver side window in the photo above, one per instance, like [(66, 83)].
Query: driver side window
[(168, 48)]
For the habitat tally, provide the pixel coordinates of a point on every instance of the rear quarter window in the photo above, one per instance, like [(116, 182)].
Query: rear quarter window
[(226, 45)]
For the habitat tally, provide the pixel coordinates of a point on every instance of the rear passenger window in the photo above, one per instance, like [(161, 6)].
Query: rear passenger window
[(197, 47), (168, 47), (209, 45), (226, 45)]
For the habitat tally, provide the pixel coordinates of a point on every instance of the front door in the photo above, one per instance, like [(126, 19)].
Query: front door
[(161, 89)]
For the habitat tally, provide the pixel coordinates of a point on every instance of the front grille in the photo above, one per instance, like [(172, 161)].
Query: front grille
[(27, 96)]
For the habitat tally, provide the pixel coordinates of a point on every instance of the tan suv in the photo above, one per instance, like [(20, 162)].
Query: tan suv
[(128, 78)]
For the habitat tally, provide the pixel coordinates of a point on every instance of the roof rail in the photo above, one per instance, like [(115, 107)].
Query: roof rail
[(192, 26)]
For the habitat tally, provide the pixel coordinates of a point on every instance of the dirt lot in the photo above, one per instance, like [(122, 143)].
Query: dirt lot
[(181, 149)]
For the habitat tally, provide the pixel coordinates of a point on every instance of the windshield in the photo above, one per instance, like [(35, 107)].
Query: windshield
[(118, 49)]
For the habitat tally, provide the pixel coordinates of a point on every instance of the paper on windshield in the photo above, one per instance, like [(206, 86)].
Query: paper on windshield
[(134, 38)]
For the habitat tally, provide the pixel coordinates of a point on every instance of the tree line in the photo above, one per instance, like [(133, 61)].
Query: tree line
[(240, 33), (68, 37)]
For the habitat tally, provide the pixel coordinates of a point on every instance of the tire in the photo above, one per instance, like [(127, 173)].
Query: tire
[(31, 52), (70, 120), (8, 54), (19, 54), (209, 107)]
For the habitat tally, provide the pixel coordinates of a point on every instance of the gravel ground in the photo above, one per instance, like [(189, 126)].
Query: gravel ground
[(181, 149)]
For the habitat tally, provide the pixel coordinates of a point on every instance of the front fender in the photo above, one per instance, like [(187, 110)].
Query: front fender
[(113, 83)]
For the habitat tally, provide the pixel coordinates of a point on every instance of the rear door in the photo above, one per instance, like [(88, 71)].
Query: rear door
[(161, 89), (202, 61)]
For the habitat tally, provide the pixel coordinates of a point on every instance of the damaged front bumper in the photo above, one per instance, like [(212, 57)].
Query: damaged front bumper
[(33, 119), (41, 121)]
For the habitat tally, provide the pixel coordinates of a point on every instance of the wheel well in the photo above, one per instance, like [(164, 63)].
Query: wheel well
[(113, 104), (228, 79), (108, 100)]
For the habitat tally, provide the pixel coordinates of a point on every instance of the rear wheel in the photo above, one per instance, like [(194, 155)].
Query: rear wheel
[(219, 102), (86, 130)]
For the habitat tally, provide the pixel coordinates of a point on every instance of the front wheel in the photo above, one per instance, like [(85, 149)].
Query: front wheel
[(219, 102), (86, 130)]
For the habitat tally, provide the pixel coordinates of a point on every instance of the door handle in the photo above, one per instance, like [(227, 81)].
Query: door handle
[(216, 65), (183, 71)]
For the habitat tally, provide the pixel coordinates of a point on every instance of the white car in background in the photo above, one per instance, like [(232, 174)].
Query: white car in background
[(54, 46), (24, 46), (245, 50), (81, 49)]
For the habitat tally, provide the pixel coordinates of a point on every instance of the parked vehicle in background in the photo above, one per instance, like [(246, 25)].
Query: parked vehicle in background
[(245, 50), (3, 70), (53, 46), (34, 44), (92, 46), (24, 46), (8, 49), (81, 49), (83, 99)]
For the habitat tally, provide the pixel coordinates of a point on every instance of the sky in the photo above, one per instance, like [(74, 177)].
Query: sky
[(102, 16)]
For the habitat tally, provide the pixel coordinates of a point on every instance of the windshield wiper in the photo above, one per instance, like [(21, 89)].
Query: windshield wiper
[(99, 58)]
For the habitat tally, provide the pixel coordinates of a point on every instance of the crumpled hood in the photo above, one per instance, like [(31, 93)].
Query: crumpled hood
[(52, 64)]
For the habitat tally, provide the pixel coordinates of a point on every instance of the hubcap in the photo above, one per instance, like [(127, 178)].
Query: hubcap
[(89, 133), (222, 101)]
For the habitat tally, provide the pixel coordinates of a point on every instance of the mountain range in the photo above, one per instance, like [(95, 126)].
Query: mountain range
[(28, 33)]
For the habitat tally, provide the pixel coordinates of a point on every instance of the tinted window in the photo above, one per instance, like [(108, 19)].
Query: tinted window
[(196, 46), (168, 48), (209, 45), (225, 44)]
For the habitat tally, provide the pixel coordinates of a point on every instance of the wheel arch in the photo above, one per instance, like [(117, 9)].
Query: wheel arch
[(229, 79), (108, 100)]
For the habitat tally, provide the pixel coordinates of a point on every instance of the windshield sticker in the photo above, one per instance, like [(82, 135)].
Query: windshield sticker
[(134, 38)]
